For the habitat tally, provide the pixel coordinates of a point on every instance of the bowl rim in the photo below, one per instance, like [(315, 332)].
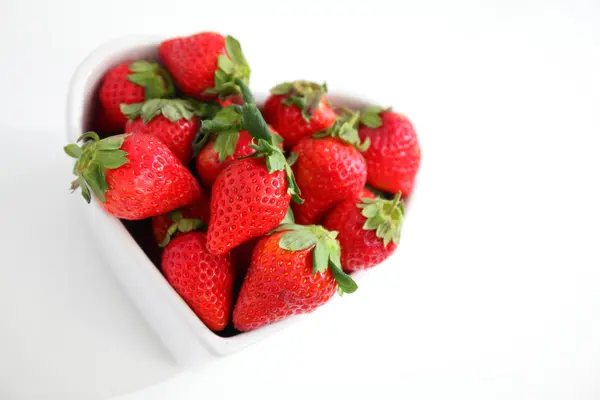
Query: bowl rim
[(79, 95)]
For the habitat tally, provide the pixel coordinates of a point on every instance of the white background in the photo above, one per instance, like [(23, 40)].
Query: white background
[(495, 291)]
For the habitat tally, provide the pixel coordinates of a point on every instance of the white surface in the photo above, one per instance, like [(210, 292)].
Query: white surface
[(496, 292)]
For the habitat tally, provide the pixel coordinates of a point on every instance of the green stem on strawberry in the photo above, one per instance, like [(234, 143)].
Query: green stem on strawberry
[(180, 224), (276, 161), (253, 119), (383, 216), (303, 94), (156, 81), (93, 157), (172, 109), (231, 67), (345, 129), (326, 251), (370, 116)]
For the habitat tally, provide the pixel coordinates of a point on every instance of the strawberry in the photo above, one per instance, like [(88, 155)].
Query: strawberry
[(186, 219), (251, 196), (298, 109), (203, 280), (213, 158), (133, 176), (175, 122), (293, 271), (247, 201), (368, 231), (128, 83), (328, 171), (205, 64), (366, 193), (394, 155)]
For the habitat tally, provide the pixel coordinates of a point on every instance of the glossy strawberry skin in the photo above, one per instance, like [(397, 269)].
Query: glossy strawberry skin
[(361, 249), (366, 193), (153, 182), (207, 162), (280, 283), (394, 156), (116, 90), (192, 61), (203, 280), (246, 202), (177, 136), (199, 209), (328, 172), (288, 121)]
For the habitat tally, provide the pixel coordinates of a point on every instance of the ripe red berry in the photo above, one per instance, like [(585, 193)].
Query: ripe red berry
[(394, 156), (297, 110), (293, 271), (368, 230), (205, 281)]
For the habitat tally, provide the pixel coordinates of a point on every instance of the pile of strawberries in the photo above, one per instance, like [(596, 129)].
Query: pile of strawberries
[(261, 214)]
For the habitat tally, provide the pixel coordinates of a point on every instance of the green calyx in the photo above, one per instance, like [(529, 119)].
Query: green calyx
[(345, 129), (289, 217), (276, 161), (157, 82), (180, 224), (326, 251), (226, 124), (93, 157), (230, 67), (229, 121), (172, 109), (385, 217), (302, 94), (370, 116)]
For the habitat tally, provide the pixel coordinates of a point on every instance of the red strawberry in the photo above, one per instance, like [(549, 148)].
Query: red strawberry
[(203, 280), (293, 271), (186, 219), (174, 121), (394, 155), (128, 83), (251, 196), (368, 231), (328, 171), (134, 176), (205, 64), (298, 109), (366, 193), (247, 202), (208, 163)]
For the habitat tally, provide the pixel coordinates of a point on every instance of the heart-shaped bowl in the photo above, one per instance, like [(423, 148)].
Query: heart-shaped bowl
[(181, 331)]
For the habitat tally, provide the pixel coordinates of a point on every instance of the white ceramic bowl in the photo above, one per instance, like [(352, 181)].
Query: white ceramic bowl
[(181, 331)]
